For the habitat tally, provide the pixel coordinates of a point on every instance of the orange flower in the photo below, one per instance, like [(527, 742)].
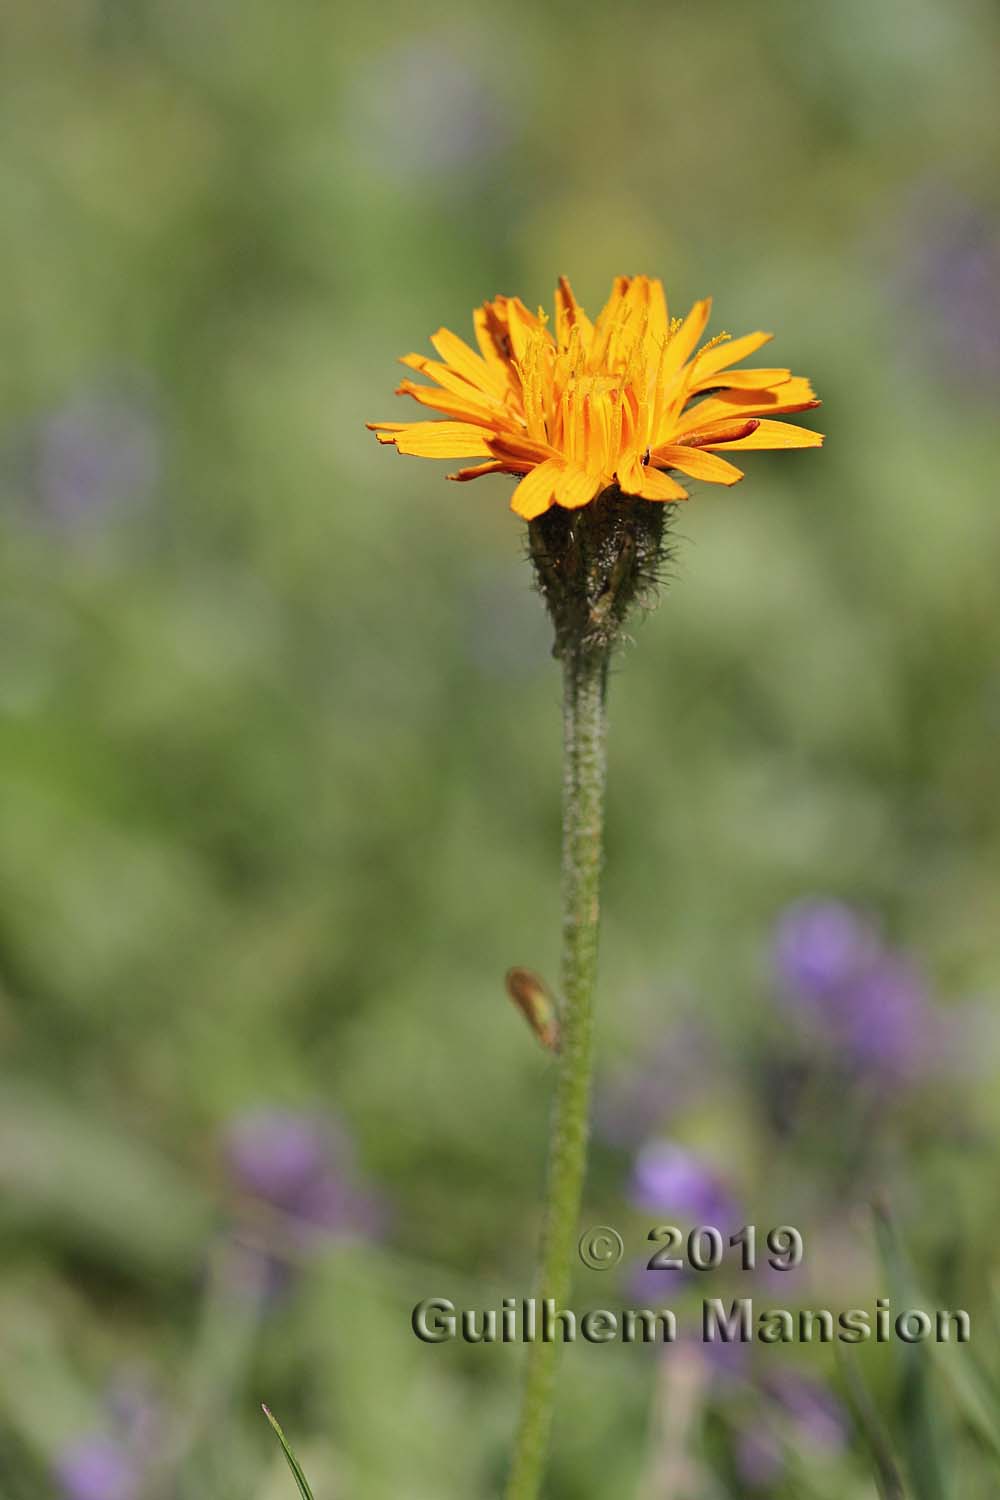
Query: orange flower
[(618, 402)]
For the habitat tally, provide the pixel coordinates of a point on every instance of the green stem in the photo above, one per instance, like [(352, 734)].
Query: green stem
[(584, 773)]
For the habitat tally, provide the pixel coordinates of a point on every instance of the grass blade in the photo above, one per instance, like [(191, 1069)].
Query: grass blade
[(887, 1475), (973, 1397), (918, 1411), (293, 1463)]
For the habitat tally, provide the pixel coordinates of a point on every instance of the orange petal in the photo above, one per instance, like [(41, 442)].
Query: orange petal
[(446, 377), (575, 487), (535, 493), (792, 395), (721, 432), (684, 341), (731, 352), (494, 467), (512, 445), (741, 380), (607, 319), (659, 486), (652, 484), (456, 353), (435, 439), (657, 308), (450, 406), (774, 435), (521, 324), (697, 463), (484, 321), (569, 314)]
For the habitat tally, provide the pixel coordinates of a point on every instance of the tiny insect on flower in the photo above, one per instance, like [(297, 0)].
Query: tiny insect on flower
[(623, 402)]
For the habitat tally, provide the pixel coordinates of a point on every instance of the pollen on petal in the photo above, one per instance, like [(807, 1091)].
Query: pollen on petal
[(731, 352)]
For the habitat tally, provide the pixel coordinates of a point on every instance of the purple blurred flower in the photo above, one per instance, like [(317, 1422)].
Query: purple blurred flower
[(819, 1417), (726, 1363), (886, 1021), (871, 1003), (669, 1180), (820, 947), (302, 1166), (653, 1289), (333, 1204), (98, 451), (96, 1468), (759, 1462), (946, 272), (277, 1155)]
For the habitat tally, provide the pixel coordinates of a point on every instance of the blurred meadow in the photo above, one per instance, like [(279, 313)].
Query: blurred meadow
[(279, 745)]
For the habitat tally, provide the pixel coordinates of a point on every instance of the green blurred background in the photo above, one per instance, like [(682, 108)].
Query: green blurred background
[(280, 728)]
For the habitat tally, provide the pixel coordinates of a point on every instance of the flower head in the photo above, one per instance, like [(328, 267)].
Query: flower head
[(276, 1155), (671, 1180), (870, 1001), (821, 947), (302, 1167), (619, 403)]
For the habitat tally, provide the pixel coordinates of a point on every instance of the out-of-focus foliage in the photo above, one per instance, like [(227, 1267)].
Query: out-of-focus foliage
[(279, 739)]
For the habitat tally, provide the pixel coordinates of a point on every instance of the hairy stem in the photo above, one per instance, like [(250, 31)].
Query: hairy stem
[(585, 672)]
